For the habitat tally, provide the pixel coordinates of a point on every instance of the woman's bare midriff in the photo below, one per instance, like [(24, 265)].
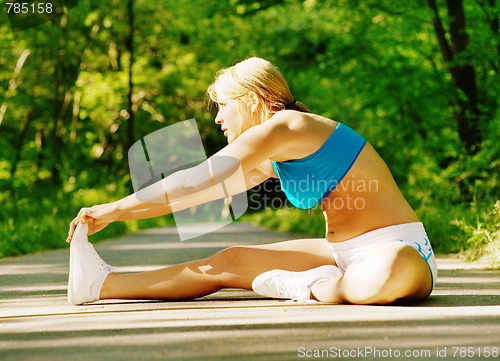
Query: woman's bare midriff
[(366, 199)]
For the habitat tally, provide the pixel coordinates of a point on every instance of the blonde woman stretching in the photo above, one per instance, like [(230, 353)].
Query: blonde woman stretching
[(375, 251)]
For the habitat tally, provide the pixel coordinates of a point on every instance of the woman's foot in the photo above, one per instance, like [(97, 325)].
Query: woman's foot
[(295, 286), (87, 270)]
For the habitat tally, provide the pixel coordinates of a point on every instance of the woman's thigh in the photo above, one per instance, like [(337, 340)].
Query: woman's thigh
[(239, 265), (386, 273)]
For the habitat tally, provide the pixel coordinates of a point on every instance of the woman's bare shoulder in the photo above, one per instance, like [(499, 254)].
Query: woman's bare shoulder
[(303, 122), (291, 119), (306, 132)]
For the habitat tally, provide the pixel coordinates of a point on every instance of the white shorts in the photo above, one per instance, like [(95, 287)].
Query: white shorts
[(412, 234)]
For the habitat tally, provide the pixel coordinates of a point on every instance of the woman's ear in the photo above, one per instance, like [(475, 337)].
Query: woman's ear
[(254, 101)]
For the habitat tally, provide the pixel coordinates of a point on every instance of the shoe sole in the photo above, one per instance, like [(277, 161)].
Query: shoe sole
[(76, 295)]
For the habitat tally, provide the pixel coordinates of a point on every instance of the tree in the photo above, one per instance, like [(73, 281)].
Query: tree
[(470, 107)]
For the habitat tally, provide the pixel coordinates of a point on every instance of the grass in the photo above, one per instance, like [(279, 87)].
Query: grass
[(39, 221), (309, 223), (483, 236)]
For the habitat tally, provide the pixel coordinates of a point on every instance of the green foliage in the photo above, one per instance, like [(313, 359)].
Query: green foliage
[(31, 223), (374, 65), (483, 236), (286, 219)]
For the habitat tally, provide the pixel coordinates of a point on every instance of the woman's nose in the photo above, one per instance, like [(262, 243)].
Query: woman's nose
[(218, 119)]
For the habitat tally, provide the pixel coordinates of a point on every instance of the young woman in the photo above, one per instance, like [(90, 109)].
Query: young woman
[(375, 250)]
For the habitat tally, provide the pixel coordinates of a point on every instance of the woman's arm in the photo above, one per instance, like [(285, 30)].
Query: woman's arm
[(100, 216), (195, 185), (252, 179), (202, 183)]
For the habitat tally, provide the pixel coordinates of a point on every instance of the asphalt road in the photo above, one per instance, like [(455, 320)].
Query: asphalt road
[(460, 320)]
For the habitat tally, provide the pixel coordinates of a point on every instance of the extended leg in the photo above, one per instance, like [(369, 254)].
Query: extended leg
[(387, 272), (234, 267)]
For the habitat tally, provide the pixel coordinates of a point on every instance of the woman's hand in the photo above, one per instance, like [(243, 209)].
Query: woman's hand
[(97, 217)]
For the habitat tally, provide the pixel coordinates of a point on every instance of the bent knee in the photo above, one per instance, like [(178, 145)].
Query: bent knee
[(386, 274), (227, 258), (228, 267)]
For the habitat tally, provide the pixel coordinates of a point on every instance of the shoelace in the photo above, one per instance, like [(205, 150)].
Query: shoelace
[(100, 262), (301, 294)]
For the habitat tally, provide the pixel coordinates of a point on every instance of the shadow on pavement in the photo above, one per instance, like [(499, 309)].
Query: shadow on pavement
[(36, 322)]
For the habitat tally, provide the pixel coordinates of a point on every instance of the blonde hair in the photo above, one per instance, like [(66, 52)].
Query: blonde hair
[(260, 77)]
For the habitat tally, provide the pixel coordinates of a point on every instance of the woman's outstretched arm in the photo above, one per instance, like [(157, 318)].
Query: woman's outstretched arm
[(196, 185), (230, 165), (213, 193)]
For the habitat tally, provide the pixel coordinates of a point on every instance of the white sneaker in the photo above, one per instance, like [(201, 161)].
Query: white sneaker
[(87, 271), (295, 286)]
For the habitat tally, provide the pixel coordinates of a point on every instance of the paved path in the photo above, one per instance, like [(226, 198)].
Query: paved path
[(461, 319)]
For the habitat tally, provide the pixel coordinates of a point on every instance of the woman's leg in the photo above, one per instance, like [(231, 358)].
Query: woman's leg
[(388, 272), (234, 267)]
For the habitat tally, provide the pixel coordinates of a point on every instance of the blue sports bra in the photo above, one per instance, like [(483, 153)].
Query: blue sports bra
[(309, 180)]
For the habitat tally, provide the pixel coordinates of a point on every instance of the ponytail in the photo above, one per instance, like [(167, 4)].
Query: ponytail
[(298, 106)]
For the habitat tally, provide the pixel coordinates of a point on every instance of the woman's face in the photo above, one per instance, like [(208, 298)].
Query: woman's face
[(230, 117)]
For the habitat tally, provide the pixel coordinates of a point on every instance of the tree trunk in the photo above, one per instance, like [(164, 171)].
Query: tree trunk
[(13, 83), (20, 142), (467, 112), (130, 49)]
